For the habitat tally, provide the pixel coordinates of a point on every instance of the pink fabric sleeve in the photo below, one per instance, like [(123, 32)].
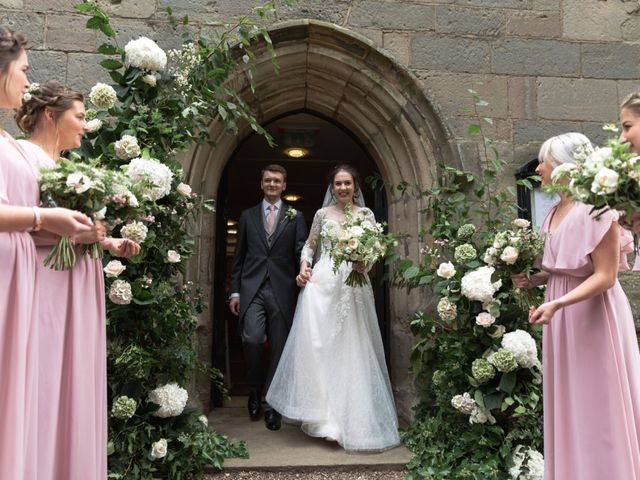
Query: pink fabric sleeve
[(4, 150), (626, 247)]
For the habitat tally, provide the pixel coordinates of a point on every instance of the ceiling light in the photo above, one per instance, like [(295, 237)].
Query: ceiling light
[(232, 231), (296, 152), (231, 223), (292, 197)]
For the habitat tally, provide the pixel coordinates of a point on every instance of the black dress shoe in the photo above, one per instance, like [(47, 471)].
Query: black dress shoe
[(272, 420), (254, 405)]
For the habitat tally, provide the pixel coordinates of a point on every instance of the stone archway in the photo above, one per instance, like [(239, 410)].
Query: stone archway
[(342, 76)]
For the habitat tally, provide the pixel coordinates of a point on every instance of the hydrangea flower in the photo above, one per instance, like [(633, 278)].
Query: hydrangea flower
[(154, 177), (526, 464), (481, 415), (127, 147), (145, 54), (523, 347), (123, 407), (120, 292), (135, 231), (465, 253), (466, 231), (464, 403), (171, 398), (477, 285), (103, 96), (447, 309), (482, 370), (503, 360)]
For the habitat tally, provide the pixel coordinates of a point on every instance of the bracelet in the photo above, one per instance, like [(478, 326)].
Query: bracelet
[(37, 220)]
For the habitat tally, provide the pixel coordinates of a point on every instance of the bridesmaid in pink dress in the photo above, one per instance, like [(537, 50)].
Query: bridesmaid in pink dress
[(590, 350), (19, 197), (630, 121), (72, 407)]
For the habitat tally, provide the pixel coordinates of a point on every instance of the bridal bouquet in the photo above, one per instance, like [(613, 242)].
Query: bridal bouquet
[(515, 250), (607, 177), (358, 240), (99, 193)]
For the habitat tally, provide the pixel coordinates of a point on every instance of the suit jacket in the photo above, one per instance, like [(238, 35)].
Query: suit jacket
[(256, 257)]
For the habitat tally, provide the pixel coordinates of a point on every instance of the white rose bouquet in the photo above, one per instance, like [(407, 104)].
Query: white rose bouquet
[(358, 240), (607, 178), (515, 250), (98, 192)]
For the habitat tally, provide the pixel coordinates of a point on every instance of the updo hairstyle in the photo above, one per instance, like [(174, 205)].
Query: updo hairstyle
[(51, 96)]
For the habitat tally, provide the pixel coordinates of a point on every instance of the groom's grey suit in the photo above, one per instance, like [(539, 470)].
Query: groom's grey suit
[(264, 270)]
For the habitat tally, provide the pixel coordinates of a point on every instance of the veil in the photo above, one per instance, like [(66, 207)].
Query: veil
[(329, 199)]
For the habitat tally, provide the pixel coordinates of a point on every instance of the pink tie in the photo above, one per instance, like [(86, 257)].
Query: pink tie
[(271, 218)]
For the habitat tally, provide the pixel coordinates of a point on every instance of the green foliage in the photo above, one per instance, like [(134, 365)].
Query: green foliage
[(455, 353), (151, 338)]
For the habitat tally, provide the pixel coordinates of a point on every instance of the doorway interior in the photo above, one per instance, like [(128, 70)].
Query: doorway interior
[(322, 145)]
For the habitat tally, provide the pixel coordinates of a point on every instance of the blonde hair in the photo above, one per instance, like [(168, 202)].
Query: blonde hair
[(632, 102)]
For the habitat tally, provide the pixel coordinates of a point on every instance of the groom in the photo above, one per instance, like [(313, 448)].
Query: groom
[(270, 238)]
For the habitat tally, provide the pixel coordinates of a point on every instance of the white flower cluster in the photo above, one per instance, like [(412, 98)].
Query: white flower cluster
[(506, 247), (79, 182), (523, 347), (120, 292), (94, 125), (123, 407), (153, 177), (182, 62), (127, 147), (171, 398), (34, 87), (123, 196), (467, 405), (103, 96), (145, 54), (447, 310), (135, 231), (527, 464), (477, 285)]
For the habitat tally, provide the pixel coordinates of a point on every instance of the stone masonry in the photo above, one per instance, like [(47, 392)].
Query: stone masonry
[(544, 66)]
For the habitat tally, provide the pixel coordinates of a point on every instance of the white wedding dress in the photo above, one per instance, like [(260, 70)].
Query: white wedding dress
[(332, 377)]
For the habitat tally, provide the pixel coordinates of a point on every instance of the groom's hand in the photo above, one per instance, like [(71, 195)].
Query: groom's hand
[(234, 305), (304, 276)]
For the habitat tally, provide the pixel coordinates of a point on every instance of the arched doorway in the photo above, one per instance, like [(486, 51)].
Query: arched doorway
[(344, 78), (324, 145)]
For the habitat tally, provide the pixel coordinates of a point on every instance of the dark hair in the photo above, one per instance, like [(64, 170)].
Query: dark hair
[(351, 171), (11, 46), (51, 95), (274, 167)]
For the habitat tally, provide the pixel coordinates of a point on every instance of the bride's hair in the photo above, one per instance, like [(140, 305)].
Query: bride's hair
[(350, 170), (562, 148), (52, 96), (632, 102)]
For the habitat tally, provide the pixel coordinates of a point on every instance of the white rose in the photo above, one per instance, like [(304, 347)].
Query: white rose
[(150, 80), (595, 161), (353, 243), (499, 331), (79, 181), (94, 125), (184, 190), (173, 256), (114, 268), (159, 449), (446, 270), (509, 255), (485, 319), (521, 223), (605, 181)]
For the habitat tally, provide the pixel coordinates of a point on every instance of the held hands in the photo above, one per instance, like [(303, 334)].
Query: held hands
[(234, 305), (304, 276), (521, 280), (121, 247), (64, 222), (97, 234)]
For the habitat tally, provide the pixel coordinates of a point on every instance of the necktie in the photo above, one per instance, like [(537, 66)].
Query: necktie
[(271, 219)]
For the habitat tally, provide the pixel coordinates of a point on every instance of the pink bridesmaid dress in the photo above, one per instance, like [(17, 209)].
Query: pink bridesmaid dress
[(591, 363), (72, 407), (18, 327)]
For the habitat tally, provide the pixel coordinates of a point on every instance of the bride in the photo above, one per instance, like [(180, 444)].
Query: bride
[(332, 377)]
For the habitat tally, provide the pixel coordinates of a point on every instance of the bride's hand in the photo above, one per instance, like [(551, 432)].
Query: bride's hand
[(359, 267)]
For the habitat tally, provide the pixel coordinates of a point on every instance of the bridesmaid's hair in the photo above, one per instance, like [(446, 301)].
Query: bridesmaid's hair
[(52, 96), (274, 167), (632, 102), (11, 46), (345, 167), (561, 148)]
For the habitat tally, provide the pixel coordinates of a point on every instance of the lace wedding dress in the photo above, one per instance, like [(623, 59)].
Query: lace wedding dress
[(332, 377)]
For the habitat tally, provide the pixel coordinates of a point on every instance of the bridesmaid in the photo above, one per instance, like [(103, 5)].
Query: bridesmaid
[(19, 197), (72, 407), (630, 121), (590, 350)]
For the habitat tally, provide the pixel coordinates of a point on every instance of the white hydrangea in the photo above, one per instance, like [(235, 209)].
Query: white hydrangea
[(447, 310), (127, 147), (596, 159), (147, 171), (145, 54), (103, 96), (481, 415), (464, 403), (523, 347), (94, 125), (527, 464), (120, 292), (135, 231), (171, 398), (477, 285)]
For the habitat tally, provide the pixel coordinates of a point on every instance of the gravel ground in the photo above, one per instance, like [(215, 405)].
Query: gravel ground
[(323, 474)]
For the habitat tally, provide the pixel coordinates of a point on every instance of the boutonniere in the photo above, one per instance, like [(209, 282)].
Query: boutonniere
[(291, 213)]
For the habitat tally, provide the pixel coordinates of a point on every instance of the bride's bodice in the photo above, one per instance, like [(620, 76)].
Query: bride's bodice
[(326, 222)]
